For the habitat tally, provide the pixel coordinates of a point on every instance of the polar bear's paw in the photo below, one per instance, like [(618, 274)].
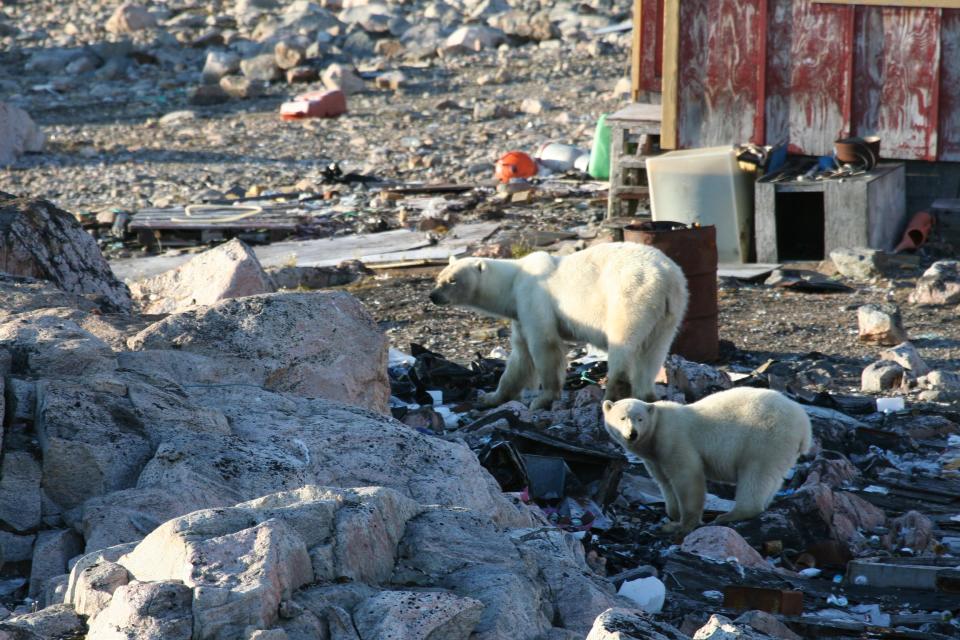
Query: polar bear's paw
[(489, 400), (542, 403)]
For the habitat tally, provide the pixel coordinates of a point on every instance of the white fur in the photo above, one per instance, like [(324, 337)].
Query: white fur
[(747, 436), (625, 298)]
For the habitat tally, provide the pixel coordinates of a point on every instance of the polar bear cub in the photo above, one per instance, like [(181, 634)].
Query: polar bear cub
[(747, 436), (625, 298)]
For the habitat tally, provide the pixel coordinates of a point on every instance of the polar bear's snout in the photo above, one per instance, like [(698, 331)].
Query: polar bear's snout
[(437, 297)]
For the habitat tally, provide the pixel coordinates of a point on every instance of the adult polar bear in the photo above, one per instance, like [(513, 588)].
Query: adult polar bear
[(625, 298)]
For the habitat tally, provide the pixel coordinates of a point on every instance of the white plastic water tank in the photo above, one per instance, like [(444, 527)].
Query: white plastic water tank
[(706, 186)]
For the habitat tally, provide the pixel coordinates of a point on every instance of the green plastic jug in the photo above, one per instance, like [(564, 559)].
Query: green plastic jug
[(599, 167)]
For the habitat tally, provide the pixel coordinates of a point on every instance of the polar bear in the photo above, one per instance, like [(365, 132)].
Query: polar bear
[(746, 436), (625, 298)]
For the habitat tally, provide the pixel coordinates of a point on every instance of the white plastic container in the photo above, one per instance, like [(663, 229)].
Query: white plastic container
[(558, 157), (706, 186)]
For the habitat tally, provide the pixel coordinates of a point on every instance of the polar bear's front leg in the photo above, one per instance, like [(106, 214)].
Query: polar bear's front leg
[(673, 507), (690, 488), (515, 376), (549, 361)]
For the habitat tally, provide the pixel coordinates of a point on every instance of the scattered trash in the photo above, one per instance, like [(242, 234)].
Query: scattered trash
[(316, 104), (513, 165)]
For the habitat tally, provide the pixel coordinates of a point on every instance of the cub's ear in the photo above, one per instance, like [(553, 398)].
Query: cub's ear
[(481, 265), (452, 260), (607, 405)]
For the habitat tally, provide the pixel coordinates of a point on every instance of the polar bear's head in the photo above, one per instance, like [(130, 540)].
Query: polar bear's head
[(630, 422), (458, 282)]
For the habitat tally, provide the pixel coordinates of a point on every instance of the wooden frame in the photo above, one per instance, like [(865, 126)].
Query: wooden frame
[(671, 75)]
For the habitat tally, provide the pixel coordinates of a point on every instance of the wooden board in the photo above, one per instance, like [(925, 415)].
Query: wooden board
[(949, 111), (275, 217), (671, 58), (390, 246), (720, 72)]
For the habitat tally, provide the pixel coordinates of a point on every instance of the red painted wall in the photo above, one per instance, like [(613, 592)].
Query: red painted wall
[(771, 71)]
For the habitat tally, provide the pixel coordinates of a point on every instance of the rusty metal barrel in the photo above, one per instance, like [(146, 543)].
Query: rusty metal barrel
[(694, 249)]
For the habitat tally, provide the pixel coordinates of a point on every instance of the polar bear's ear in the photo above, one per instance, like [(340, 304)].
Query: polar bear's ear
[(452, 259), (481, 266), (607, 405)]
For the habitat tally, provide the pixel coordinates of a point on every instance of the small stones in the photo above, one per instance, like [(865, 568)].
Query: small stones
[(262, 67), (219, 64), (858, 263), (241, 87), (129, 18), (338, 76), (939, 285)]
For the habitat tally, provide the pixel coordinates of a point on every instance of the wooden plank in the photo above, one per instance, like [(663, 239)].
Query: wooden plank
[(908, 68), (720, 64), (636, 51), (942, 4), (949, 111), (808, 74), (671, 79)]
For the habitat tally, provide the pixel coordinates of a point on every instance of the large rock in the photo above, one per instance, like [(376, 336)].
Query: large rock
[(128, 18), (228, 271), (859, 263), (47, 345), (219, 64), (882, 375), (412, 615), (939, 285), (50, 555), (20, 501), (95, 586), (39, 240), (721, 543), (261, 68), (18, 134), (719, 627), (881, 324), (472, 39), (907, 356), (58, 621), (322, 344), (629, 624), (146, 611)]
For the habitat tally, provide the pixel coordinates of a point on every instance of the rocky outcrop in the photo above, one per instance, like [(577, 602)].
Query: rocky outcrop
[(316, 345), (39, 240)]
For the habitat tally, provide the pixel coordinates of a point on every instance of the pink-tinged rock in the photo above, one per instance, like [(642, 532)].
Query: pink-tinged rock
[(411, 615), (939, 285), (146, 611), (881, 324), (720, 543), (321, 344), (912, 530), (18, 134), (907, 356), (230, 270), (844, 514), (834, 472), (129, 18), (631, 624)]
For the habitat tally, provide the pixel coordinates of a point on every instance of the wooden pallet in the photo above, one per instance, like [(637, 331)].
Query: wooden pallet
[(276, 216)]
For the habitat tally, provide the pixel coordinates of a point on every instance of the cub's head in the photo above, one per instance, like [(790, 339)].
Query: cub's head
[(458, 282), (629, 422)]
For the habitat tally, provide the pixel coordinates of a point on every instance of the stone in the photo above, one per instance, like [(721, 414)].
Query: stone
[(472, 39), (95, 586), (842, 515), (534, 106), (93, 442), (522, 26), (719, 627), (766, 623), (882, 375), (881, 324), (15, 547), (262, 68), (302, 74), (408, 615), (18, 134), (242, 87), (50, 555), (392, 80), (177, 117), (388, 48), (219, 64), (859, 263), (907, 356), (836, 471), (230, 270), (913, 531), (57, 621), (146, 611), (693, 379), (630, 624), (623, 87), (939, 285), (238, 577), (338, 76), (206, 95), (39, 240), (55, 590), (128, 18), (722, 543), (289, 53), (49, 346), (939, 386), (322, 344), (20, 503)]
